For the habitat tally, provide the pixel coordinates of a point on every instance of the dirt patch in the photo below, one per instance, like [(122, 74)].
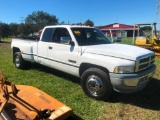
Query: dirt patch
[(4, 43)]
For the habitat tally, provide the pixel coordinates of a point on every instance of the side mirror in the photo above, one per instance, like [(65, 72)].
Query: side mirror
[(72, 43), (65, 40)]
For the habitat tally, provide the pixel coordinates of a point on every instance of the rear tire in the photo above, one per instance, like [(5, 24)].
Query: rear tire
[(19, 62), (96, 83)]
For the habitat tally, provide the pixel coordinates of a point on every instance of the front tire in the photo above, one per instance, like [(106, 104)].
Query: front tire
[(18, 61), (96, 83)]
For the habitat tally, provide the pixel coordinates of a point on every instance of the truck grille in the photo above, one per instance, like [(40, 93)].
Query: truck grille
[(145, 62)]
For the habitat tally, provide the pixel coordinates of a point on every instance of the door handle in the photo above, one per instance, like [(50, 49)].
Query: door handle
[(50, 47)]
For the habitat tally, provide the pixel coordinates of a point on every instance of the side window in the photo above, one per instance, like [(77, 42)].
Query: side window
[(47, 35), (58, 33)]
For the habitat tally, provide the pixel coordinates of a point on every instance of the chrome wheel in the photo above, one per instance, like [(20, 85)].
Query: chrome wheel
[(17, 61), (94, 85)]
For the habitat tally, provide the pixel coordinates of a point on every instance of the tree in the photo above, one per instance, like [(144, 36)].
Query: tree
[(25, 29), (39, 19), (89, 22), (79, 23), (0, 31), (13, 29), (63, 23), (146, 28), (20, 29), (4, 30)]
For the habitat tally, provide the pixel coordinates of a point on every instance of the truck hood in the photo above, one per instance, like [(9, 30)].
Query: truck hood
[(117, 50)]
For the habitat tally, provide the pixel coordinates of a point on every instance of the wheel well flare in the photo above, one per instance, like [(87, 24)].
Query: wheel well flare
[(85, 66)]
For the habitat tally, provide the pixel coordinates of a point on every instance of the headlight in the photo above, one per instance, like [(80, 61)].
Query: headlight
[(124, 69)]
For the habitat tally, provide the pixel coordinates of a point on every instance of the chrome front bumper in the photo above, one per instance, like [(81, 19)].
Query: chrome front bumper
[(128, 83), (138, 81)]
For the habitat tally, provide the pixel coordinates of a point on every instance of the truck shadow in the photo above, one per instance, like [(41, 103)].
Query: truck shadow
[(56, 73), (148, 98)]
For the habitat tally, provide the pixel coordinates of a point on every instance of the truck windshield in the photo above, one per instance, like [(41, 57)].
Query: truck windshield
[(89, 36)]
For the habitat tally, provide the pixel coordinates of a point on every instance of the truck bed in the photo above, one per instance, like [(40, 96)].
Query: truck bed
[(28, 38)]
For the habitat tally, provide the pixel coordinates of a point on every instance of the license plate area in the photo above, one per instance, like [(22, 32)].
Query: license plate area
[(146, 78)]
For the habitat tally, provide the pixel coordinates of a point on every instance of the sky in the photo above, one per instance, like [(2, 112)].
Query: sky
[(101, 12)]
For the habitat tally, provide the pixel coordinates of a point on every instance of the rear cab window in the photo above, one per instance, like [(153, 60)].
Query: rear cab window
[(54, 34), (47, 35)]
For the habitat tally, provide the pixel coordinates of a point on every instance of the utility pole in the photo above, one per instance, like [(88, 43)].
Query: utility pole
[(22, 25), (21, 19), (157, 18)]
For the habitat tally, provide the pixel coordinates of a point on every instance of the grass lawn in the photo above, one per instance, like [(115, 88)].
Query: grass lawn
[(142, 105)]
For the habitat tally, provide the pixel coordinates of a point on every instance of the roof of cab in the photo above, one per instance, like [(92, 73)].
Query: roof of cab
[(67, 26)]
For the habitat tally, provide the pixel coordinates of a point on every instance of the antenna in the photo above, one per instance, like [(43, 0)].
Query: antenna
[(118, 17)]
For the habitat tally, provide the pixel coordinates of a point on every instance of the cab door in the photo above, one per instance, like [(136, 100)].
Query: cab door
[(43, 46), (63, 56)]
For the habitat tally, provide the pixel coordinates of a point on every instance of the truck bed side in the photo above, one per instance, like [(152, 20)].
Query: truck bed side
[(27, 47)]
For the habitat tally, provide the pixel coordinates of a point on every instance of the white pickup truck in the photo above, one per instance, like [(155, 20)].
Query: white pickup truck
[(87, 53)]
